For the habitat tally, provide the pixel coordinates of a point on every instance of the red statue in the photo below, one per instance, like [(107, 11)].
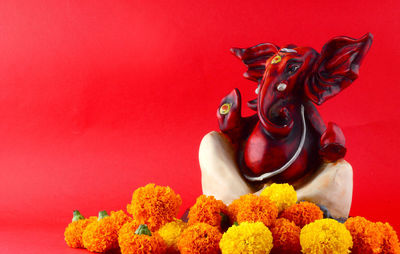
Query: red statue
[(287, 138)]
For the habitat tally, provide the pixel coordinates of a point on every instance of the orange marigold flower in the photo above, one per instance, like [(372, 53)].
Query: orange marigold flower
[(390, 240), (207, 210), (253, 208), (73, 232), (302, 213), (135, 239), (101, 235), (286, 237), (370, 237), (366, 235), (154, 205), (233, 209), (200, 238), (120, 218)]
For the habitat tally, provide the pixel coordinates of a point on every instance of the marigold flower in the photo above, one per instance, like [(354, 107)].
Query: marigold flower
[(366, 235), (302, 213), (390, 240), (120, 218), (200, 238), (139, 240), (283, 195), (208, 210), (248, 237), (286, 237), (126, 232), (170, 232), (101, 235), (252, 208), (73, 232), (325, 236), (233, 209), (154, 205), (370, 237)]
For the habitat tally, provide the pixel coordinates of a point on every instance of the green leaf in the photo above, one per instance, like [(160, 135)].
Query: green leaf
[(143, 230), (102, 215), (77, 216)]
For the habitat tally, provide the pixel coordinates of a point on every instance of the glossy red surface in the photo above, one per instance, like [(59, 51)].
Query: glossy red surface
[(282, 144), (100, 97), (333, 143)]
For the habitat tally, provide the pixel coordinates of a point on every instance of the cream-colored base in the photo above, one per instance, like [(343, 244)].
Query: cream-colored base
[(331, 185)]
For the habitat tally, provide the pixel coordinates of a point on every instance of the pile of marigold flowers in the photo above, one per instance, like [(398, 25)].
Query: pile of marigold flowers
[(274, 222)]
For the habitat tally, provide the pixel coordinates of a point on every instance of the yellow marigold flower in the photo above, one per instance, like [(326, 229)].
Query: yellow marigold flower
[(73, 232), (208, 210), (200, 238), (170, 232), (135, 239), (283, 195), (120, 218), (325, 236), (154, 205), (101, 235), (302, 213), (247, 237), (253, 208), (286, 237)]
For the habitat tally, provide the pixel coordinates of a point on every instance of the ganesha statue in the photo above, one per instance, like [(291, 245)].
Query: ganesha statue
[(286, 140)]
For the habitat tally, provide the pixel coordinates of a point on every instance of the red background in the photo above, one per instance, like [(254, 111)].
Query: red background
[(98, 98)]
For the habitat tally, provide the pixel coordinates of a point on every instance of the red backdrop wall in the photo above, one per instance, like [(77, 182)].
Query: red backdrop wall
[(99, 97)]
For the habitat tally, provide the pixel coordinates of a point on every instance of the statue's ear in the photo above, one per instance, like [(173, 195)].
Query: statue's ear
[(254, 58), (337, 67)]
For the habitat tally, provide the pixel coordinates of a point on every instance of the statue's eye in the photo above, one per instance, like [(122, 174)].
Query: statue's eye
[(292, 68)]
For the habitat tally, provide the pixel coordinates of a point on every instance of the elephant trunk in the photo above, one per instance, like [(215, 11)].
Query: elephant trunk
[(274, 116)]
